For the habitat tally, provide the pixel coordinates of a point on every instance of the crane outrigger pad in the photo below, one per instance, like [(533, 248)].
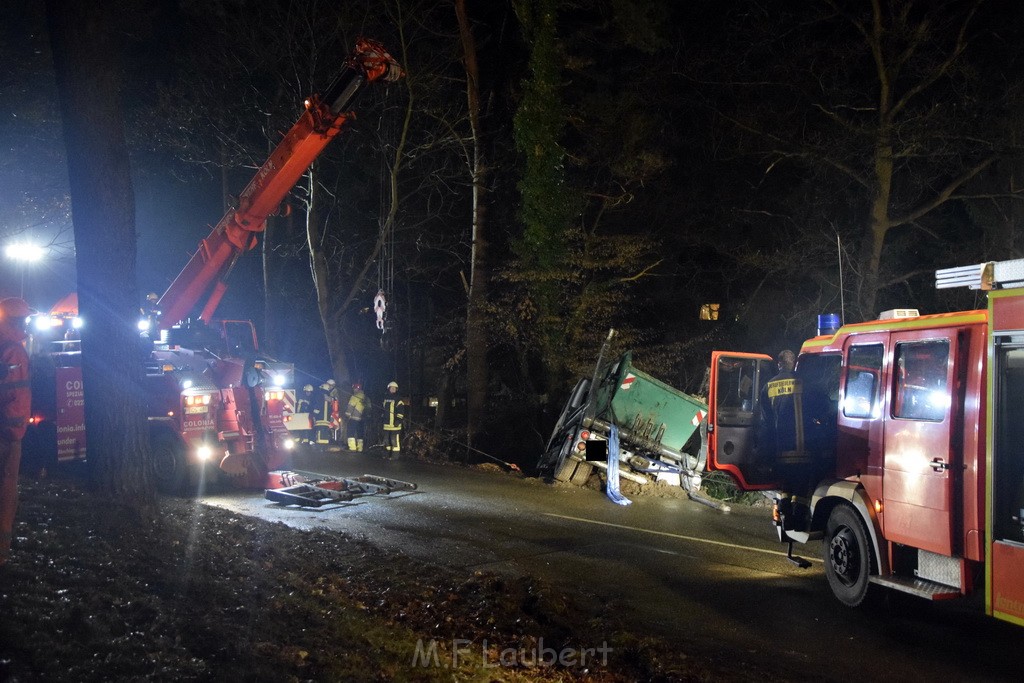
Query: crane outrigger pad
[(309, 489)]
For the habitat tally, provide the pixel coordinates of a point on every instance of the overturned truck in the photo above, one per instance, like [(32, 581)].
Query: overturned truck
[(658, 427)]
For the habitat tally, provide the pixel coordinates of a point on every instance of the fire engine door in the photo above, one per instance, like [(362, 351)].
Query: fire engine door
[(1005, 597), (733, 394), (860, 451), (920, 456)]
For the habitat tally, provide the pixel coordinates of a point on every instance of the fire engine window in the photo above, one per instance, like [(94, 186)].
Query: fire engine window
[(1008, 456), (737, 389), (863, 368), (921, 380)]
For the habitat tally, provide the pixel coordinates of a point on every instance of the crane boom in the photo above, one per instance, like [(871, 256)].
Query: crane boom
[(204, 276)]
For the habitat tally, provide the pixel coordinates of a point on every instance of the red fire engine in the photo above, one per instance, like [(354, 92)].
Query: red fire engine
[(908, 462), (212, 399)]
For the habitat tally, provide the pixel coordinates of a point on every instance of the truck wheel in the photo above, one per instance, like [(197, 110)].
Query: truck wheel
[(582, 473), (169, 466), (847, 555), (565, 471)]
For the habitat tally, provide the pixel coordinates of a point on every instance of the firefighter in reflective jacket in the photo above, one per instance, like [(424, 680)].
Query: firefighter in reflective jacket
[(780, 439), (354, 412), (394, 415), (15, 406), (324, 410)]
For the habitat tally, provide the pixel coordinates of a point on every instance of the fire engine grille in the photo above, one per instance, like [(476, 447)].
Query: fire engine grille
[(938, 568)]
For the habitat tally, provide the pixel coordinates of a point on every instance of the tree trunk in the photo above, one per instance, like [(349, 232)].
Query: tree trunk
[(272, 274), (878, 226), (476, 335), (321, 283), (85, 50)]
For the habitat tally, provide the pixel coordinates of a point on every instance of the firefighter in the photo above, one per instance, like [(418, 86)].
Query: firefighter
[(354, 412), (394, 415), (780, 431), (324, 410), (15, 405), (304, 407)]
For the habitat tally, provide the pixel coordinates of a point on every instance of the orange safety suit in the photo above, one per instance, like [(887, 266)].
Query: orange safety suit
[(15, 406)]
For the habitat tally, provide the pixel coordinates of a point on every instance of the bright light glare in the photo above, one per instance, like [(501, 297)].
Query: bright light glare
[(289, 444), (279, 380), (77, 323), (144, 325), (186, 384), (23, 251), (204, 452), (939, 399), (43, 323)]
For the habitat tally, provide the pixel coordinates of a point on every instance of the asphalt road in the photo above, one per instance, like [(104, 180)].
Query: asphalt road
[(711, 582)]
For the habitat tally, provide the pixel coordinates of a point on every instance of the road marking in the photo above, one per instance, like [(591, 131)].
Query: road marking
[(671, 535)]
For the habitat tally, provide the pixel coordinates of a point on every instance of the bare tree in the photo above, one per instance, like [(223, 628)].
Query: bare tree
[(476, 333), (880, 117)]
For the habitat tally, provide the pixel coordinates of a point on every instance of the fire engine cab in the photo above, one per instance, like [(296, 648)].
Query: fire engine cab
[(909, 447)]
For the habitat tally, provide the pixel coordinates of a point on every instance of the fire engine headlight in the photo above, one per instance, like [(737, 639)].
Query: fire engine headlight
[(143, 325), (204, 452), (76, 323), (289, 444)]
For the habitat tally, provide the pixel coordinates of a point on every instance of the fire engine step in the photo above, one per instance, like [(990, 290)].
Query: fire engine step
[(922, 588)]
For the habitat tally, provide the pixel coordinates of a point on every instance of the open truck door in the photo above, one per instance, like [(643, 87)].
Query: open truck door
[(733, 396)]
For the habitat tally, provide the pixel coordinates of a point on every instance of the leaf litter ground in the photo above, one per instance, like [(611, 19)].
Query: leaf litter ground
[(97, 592)]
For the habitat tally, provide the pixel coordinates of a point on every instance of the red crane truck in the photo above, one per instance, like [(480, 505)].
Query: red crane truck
[(212, 403), (910, 447)]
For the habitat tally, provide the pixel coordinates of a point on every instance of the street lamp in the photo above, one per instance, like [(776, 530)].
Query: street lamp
[(24, 253)]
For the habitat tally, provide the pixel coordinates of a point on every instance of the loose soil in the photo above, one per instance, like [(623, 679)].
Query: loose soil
[(97, 592)]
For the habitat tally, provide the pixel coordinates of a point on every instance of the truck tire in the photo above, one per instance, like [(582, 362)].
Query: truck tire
[(582, 473), (169, 465), (848, 556), (565, 471)]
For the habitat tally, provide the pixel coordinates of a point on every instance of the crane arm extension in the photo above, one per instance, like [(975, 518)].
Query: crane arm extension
[(321, 121)]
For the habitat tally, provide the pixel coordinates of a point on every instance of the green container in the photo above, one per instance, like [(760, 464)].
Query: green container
[(647, 411)]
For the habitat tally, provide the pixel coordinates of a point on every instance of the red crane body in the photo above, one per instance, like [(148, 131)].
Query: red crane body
[(203, 279)]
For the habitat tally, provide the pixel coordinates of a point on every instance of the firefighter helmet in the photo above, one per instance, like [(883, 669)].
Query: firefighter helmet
[(393, 385), (308, 388), (152, 297), (357, 385), (331, 383)]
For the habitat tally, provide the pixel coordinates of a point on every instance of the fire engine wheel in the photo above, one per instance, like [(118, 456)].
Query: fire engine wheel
[(848, 556), (169, 466)]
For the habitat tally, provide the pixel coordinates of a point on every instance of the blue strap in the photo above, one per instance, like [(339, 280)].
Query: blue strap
[(612, 488)]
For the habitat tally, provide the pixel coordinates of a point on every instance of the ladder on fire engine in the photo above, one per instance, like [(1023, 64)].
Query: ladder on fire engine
[(983, 276)]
